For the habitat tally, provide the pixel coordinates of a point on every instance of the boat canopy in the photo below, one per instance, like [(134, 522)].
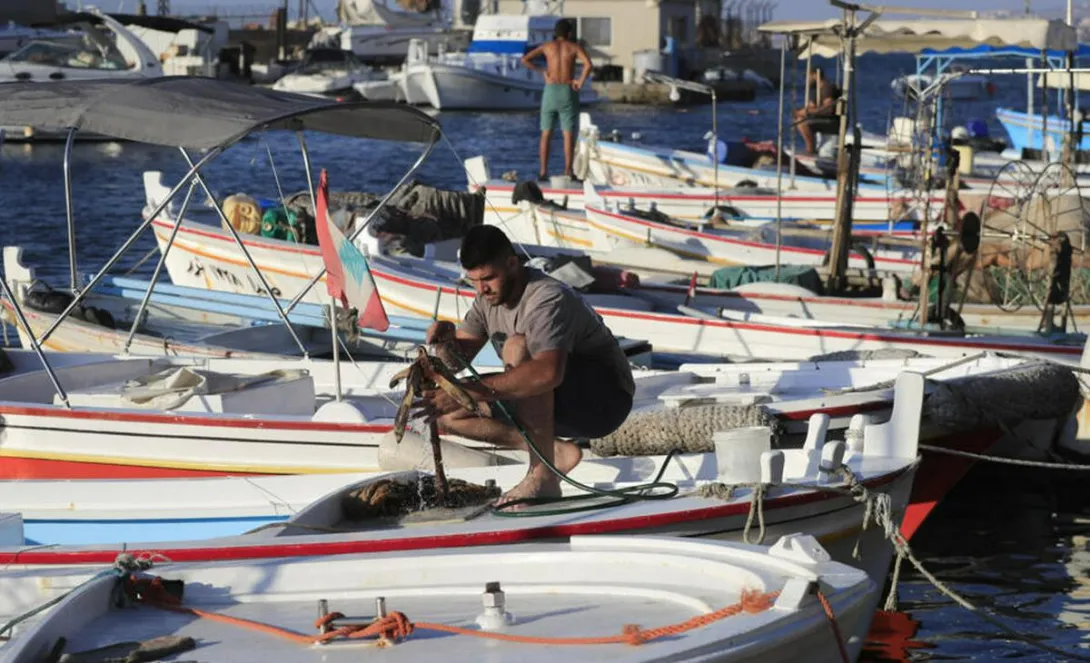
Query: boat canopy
[(201, 113), (986, 51), (915, 35)]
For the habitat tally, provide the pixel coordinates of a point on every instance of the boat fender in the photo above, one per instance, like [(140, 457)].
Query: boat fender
[(97, 316), (414, 453), (527, 190), (746, 184), (339, 412), (48, 301)]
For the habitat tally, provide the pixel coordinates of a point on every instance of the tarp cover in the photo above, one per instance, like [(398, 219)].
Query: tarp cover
[(728, 278), (200, 113), (912, 36)]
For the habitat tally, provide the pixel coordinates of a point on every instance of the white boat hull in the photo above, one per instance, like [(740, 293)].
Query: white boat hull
[(448, 87), (547, 594)]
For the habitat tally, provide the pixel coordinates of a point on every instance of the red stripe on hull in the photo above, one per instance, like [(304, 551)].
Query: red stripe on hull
[(36, 468), (939, 473)]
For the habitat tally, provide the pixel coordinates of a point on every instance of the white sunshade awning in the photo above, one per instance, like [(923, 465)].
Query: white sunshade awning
[(1059, 80), (915, 35)]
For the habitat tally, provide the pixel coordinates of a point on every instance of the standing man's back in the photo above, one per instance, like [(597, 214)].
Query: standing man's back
[(560, 99)]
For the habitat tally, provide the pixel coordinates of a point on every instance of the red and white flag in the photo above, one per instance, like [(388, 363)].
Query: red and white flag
[(348, 278)]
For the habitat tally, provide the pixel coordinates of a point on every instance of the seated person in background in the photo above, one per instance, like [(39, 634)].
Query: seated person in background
[(820, 111)]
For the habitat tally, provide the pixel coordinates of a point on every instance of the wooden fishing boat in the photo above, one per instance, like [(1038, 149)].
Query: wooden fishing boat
[(666, 273), (725, 245), (676, 495), (715, 601), (205, 256), (744, 206), (783, 396)]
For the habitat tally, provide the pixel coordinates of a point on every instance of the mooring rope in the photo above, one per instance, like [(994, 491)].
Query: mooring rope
[(1073, 467), (881, 511), (125, 564)]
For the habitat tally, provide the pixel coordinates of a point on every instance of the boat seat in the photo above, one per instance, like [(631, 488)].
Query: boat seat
[(707, 394), (187, 389)]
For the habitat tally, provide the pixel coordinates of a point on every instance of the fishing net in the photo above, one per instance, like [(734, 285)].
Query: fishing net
[(865, 355), (1038, 390), (688, 429), (397, 498)]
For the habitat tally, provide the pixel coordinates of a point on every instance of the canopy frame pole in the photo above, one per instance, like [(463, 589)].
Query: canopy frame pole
[(382, 203), (805, 102), (73, 269), (34, 343), (142, 311), (715, 151), (779, 156), (1044, 109), (193, 170), (276, 176), (336, 338), (246, 252)]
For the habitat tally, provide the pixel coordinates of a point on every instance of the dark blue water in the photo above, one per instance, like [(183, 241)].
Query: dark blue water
[(1012, 542)]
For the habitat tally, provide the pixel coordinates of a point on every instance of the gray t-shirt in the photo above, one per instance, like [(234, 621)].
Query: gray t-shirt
[(552, 316)]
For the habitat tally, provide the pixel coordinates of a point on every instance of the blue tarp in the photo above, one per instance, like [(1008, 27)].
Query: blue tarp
[(984, 51)]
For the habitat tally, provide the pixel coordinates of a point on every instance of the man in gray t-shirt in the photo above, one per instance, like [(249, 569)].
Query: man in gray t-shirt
[(565, 374)]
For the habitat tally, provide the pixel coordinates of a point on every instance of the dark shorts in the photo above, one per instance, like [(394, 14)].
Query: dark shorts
[(589, 403), (823, 122)]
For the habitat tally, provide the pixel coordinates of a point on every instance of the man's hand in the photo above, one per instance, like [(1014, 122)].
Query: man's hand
[(441, 331), (576, 85), (436, 403)]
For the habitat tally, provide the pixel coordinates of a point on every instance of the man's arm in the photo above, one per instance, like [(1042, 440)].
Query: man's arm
[(543, 372), (465, 340), (587, 66), (527, 60)]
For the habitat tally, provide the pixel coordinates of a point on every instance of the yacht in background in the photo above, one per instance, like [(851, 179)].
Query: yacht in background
[(185, 48), (14, 36), (489, 74), (93, 54), (379, 35), (328, 72)]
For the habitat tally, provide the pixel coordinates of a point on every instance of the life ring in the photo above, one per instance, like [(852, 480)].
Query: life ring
[(618, 179)]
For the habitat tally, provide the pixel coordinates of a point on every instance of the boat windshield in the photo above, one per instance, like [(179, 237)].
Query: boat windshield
[(84, 55), (319, 60)]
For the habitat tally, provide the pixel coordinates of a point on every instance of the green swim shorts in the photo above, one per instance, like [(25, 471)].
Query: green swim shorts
[(559, 100)]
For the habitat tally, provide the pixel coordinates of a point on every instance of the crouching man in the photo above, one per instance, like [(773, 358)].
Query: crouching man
[(565, 375)]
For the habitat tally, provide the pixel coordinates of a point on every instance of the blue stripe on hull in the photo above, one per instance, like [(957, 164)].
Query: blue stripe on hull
[(77, 532)]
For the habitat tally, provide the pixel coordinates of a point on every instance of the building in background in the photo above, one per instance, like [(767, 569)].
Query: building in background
[(614, 31)]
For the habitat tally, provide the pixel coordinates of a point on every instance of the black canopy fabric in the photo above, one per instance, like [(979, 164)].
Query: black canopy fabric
[(200, 113)]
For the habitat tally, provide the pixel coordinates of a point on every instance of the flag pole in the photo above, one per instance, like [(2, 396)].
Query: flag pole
[(336, 347)]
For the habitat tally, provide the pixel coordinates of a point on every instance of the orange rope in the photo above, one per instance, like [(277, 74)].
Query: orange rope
[(832, 623), (396, 626)]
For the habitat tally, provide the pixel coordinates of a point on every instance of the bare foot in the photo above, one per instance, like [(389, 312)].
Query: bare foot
[(566, 456), (538, 482)]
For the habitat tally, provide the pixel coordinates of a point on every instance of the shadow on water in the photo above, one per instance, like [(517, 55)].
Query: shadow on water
[(1013, 542)]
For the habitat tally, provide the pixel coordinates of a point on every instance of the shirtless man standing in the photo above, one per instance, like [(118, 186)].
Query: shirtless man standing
[(561, 96)]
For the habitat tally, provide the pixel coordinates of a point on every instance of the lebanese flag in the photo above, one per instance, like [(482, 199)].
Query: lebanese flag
[(348, 279)]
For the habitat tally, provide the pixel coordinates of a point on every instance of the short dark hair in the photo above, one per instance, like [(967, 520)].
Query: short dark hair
[(563, 29), (484, 245)]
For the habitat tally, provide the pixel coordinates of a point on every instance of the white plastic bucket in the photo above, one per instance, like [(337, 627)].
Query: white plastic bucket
[(738, 453)]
